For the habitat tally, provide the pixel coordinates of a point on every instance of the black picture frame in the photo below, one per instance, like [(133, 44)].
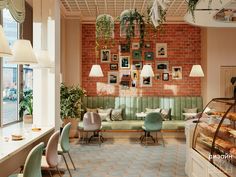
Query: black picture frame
[(113, 66), (137, 65), (165, 76), (148, 55), (137, 55), (124, 48)]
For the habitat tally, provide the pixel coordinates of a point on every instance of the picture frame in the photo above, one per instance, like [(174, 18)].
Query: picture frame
[(113, 78), (134, 74), (124, 62), (162, 66), (115, 57), (135, 45), (146, 81), (124, 48), (147, 45), (125, 79), (114, 66), (177, 72), (161, 50), (165, 76), (105, 56), (137, 55), (148, 55), (137, 65)]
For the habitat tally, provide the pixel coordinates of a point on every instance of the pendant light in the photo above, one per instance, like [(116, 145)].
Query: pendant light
[(96, 70), (147, 71), (196, 71), (5, 50), (22, 52)]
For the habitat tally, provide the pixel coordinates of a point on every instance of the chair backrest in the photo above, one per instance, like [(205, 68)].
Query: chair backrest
[(51, 150), (64, 139), (91, 121), (33, 162), (153, 121)]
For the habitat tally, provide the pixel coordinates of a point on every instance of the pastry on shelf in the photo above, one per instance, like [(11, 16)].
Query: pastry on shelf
[(225, 145)]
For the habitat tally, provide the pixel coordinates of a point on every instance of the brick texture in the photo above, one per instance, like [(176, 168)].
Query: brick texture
[(184, 49)]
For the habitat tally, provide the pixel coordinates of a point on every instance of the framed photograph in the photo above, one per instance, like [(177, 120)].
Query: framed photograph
[(113, 77), (134, 74), (146, 81), (124, 48), (114, 66), (161, 50), (165, 76), (176, 72), (137, 65), (135, 45), (105, 56), (114, 57), (147, 45), (162, 66), (134, 83), (137, 55), (148, 55), (125, 79), (124, 62)]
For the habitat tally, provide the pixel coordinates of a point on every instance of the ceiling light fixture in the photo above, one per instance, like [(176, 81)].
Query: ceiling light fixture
[(196, 71), (5, 50)]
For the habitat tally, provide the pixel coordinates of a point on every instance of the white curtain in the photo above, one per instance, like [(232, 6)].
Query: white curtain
[(16, 8)]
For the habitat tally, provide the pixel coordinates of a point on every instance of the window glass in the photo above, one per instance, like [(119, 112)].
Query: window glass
[(9, 74)]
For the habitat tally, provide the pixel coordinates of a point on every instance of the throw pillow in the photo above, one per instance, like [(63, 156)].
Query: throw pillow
[(165, 114), (92, 110), (190, 110), (148, 110), (116, 114), (105, 114)]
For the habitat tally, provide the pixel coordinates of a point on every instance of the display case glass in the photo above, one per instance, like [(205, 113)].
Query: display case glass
[(215, 134)]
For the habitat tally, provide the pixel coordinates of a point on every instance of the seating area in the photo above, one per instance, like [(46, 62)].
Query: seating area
[(122, 88)]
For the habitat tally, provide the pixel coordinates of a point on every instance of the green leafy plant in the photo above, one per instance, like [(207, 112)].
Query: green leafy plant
[(104, 28), (71, 101), (130, 19), (26, 103)]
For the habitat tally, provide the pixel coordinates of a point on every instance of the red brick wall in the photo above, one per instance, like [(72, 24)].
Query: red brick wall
[(183, 48)]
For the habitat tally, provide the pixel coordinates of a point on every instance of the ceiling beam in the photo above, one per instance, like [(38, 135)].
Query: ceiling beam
[(105, 5), (87, 7), (134, 3), (124, 7), (115, 7), (144, 2), (96, 6), (170, 6)]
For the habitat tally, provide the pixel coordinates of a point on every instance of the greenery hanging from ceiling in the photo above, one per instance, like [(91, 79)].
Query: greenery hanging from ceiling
[(130, 20), (104, 29)]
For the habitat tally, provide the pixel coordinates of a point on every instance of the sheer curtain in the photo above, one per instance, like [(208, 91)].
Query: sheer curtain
[(16, 8)]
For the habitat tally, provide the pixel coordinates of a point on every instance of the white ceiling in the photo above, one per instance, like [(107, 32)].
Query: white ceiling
[(86, 9)]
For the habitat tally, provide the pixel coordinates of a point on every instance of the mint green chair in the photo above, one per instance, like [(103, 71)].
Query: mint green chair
[(152, 123), (33, 163), (64, 145)]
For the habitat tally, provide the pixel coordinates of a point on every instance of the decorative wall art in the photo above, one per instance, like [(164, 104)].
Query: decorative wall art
[(165, 76), (162, 66), (147, 45), (125, 79), (148, 55), (137, 55), (114, 66), (161, 50), (176, 72), (113, 77), (137, 65), (105, 56), (124, 48), (135, 45), (146, 81), (124, 62), (114, 57)]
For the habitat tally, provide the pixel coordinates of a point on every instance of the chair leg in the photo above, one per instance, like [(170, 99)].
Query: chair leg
[(156, 138), (142, 137), (163, 140), (71, 160), (146, 139), (58, 171), (99, 138), (66, 165)]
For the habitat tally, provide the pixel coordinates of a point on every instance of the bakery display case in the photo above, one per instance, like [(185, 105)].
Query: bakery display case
[(215, 134)]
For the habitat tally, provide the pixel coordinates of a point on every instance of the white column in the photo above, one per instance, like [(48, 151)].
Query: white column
[(46, 84)]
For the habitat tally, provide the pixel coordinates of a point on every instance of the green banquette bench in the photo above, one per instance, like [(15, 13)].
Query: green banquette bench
[(132, 105)]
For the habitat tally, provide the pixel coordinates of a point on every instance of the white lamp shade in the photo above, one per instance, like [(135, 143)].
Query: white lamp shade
[(5, 50), (196, 71), (96, 71), (147, 71), (23, 53), (44, 60)]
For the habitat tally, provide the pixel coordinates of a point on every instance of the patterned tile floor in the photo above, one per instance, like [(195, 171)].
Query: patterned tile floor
[(127, 158)]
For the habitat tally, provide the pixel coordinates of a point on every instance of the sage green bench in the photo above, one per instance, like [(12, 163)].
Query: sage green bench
[(133, 105)]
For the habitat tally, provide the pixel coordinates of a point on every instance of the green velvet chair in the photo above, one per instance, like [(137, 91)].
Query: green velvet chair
[(64, 145), (32, 166), (152, 123)]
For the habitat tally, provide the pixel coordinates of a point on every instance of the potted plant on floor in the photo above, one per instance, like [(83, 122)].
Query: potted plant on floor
[(70, 99), (26, 106)]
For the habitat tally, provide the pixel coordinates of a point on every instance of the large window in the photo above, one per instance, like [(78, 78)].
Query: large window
[(9, 73)]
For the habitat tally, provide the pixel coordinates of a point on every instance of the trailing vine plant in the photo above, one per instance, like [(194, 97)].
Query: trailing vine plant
[(129, 19)]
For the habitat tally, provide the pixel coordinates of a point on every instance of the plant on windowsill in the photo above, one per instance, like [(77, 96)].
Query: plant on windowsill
[(70, 104), (26, 106), (129, 21)]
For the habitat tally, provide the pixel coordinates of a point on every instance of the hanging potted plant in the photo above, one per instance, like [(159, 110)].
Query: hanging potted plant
[(104, 28), (70, 103), (130, 20), (192, 6), (26, 106)]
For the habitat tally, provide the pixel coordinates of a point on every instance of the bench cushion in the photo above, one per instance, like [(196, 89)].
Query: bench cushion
[(137, 125)]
